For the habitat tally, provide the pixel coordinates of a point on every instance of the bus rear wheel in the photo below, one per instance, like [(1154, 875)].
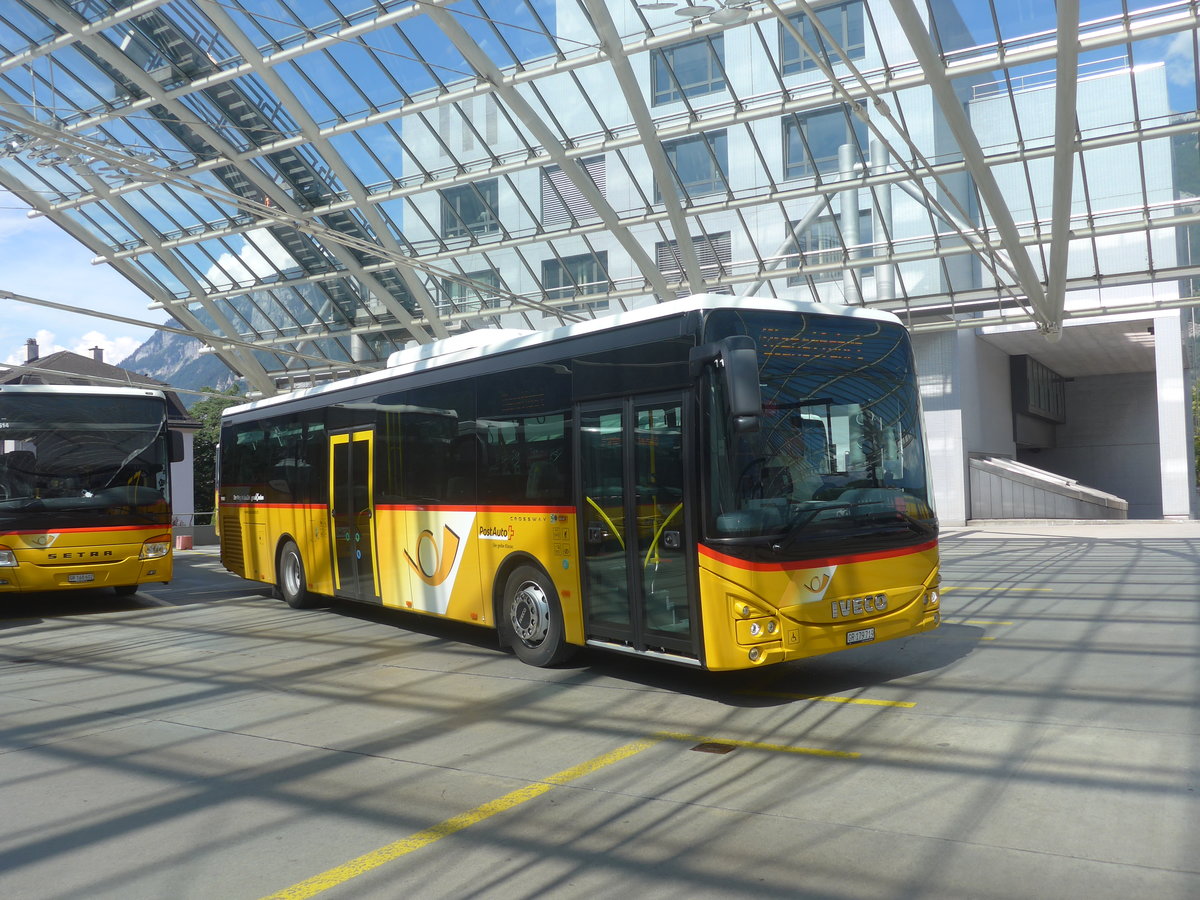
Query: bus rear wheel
[(534, 619), (291, 583)]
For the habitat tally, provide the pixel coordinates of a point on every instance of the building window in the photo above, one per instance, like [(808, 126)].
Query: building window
[(571, 276), (843, 21), (457, 297), (823, 243), (811, 141), (688, 70), (562, 202), (714, 252), (700, 164), (470, 209)]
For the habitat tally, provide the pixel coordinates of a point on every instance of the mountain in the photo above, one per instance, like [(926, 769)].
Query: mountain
[(177, 360)]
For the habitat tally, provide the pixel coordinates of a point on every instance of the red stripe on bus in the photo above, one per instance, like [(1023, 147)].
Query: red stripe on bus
[(95, 530), (227, 505), (437, 507), (413, 507), (812, 563)]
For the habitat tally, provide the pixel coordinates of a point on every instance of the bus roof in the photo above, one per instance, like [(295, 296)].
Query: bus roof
[(82, 390), (491, 341)]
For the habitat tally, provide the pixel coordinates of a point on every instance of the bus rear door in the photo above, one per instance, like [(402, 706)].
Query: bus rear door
[(638, 553), (352, 514)]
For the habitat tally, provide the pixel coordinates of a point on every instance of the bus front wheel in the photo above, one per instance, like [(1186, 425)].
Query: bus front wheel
[(291, 583), (534, 618)]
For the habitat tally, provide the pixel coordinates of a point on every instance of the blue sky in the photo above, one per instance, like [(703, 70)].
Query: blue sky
[(40, 260)]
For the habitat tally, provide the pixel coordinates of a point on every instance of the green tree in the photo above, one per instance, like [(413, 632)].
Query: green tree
[(204, 444)]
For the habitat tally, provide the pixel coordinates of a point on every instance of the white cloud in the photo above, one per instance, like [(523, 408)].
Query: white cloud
[(14, 222), (115, 348), (1178, 55), (47, 343), (261, 257)]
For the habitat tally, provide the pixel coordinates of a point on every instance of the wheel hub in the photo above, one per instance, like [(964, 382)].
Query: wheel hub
[(530, 615)]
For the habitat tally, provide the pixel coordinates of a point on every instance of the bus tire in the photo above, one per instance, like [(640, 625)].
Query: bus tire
[(533, 618), (124, 590), (290, 580)]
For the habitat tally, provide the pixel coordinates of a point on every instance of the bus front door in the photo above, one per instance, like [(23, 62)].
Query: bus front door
[(352, 514), (637, 552)]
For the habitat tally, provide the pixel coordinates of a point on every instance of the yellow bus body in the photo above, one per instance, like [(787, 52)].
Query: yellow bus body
[(769, 613), (80, 558), (448, 562)]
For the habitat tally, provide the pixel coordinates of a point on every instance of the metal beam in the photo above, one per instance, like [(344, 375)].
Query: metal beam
[(1065, 135), (989, 191), (610, 43)]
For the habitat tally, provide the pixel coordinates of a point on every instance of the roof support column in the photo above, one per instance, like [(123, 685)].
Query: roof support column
[(1064, 155)]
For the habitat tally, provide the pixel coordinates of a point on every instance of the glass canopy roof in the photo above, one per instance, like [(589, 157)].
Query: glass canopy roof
[(309, 185)]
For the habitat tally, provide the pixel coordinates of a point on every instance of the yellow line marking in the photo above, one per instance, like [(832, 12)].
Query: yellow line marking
[(757, 745), (857, 701), (376, 858), (997, 587), (982, 622)]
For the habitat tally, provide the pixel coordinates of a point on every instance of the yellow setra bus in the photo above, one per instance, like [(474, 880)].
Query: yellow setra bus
[(717, 482), (85, 496)]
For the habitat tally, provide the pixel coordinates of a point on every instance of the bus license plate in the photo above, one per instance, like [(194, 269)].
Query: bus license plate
[(860, 636), (77, 579)]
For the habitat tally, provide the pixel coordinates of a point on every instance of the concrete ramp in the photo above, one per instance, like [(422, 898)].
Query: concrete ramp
[(1006, 489)]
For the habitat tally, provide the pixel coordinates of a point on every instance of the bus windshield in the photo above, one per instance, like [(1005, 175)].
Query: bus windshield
[(838, 455), (64, 458)]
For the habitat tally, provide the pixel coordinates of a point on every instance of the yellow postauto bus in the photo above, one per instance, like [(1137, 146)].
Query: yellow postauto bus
[(718, 482), (85, 496)]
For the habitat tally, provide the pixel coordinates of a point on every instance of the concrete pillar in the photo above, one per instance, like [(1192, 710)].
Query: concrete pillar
[(1175, 447), (940, 376)]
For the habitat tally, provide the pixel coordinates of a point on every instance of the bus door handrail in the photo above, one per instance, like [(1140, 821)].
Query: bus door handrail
[(616, 531)]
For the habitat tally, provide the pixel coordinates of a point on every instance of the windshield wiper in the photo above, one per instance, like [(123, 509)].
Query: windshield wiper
[(844, 517), (798, 526)]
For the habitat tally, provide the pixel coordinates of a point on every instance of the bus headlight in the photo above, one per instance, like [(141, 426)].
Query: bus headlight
[(156, 547), (932, 596), (7, 557)]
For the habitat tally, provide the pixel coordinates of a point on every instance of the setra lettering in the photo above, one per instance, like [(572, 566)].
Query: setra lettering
[(83, 554)]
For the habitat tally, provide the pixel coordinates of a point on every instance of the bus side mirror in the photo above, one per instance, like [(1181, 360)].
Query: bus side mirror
[(176, 439), (736, 359)]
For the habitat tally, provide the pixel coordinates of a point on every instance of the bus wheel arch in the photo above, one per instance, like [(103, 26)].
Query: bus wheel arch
[(291, 583), (529, 614)]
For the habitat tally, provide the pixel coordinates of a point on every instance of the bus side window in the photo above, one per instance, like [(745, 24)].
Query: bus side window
[(460, 472), (500, 471), (548, 465)]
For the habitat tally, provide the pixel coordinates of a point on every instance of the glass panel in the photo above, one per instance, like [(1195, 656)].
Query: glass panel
[(571, 276), (688, 70), (470, 209), (81, 459), (605, 570), (658, 468), (843, 21), (700, 164), (839, 457), (352, 514), (811, 142)]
